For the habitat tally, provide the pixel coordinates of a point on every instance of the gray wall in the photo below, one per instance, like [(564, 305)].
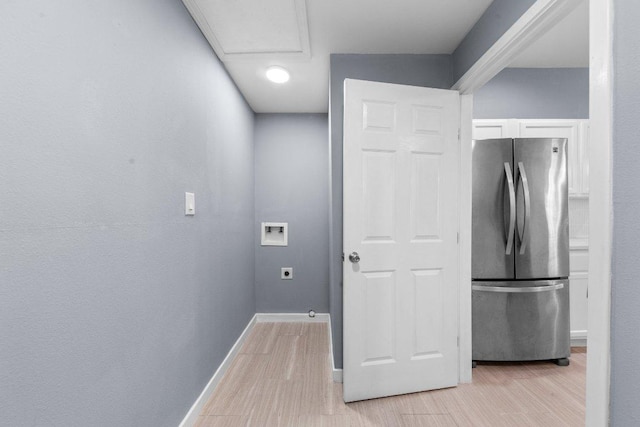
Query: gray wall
[(291, 185), (498, 18), (417, 70), (625, 316), (115, 308), (534, 93)]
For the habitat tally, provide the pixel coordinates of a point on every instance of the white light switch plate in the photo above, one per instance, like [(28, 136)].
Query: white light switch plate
[(189, 204)]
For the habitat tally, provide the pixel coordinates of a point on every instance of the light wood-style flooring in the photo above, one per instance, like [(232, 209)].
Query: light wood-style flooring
[(282, 377)]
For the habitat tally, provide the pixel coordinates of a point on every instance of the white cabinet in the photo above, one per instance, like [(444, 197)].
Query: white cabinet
[(576, 132), (579, 281), (492, 129)]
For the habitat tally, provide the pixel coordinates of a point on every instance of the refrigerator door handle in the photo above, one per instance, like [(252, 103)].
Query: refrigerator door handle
[(524, 232), (512, 290), (512, 208)]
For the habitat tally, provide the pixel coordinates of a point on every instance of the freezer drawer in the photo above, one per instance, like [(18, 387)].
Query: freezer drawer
[(524, 320)]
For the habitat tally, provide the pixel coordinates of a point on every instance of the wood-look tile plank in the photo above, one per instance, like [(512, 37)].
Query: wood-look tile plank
[(261, 339), (288, 399), (233, 392), (291, 328), (466, 406), (221, 421), (314, 375), (535, 419), (283, 357), (317, 336), (263, 403), (414, 404), (368, 413), (424, 420), (568, 408), (338, 407), (323, 421), (314, 367)]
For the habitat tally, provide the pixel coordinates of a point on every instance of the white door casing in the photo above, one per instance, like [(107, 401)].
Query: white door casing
[(401, 160)]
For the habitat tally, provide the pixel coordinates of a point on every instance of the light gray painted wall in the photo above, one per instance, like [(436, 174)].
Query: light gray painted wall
[(417, 70), (534, 93), (291, 185), (115, 308), (498, 18), (625, 316)]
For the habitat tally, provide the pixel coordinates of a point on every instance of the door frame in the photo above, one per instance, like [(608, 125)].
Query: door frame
[(534, 22)]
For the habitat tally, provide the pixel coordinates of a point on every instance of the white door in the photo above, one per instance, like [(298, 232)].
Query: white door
[(401, 154)]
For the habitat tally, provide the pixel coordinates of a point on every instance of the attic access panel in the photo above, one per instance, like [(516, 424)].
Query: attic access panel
[(249, 29)]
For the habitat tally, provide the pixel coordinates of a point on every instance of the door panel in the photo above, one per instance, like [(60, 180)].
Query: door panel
[(379, 335), (425, 214), (378, 195), (401, 217), (543, 233), (491, 210), (427, 286)]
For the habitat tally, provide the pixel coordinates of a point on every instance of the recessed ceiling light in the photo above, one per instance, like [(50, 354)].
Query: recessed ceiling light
[(277, 74)]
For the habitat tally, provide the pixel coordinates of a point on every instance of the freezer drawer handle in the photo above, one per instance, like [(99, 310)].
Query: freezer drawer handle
[(524, 232), (512, 208), (511, 290)]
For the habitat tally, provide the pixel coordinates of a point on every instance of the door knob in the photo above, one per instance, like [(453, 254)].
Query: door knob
[(354, 257)]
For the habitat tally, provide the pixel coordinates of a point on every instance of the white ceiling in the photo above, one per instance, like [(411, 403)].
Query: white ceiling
[(299, 35)]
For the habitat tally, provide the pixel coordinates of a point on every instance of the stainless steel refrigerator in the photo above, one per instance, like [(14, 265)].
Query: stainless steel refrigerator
[(520, 257)]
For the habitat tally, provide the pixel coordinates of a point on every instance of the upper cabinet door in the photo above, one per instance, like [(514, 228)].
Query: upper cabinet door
[(569, 129), (495, 129)]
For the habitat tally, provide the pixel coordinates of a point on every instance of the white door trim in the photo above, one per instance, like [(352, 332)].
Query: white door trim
[(600, 210), (539, 18), (464, 245)]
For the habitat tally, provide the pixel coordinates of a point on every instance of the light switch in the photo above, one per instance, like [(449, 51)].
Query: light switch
[(189, 204)]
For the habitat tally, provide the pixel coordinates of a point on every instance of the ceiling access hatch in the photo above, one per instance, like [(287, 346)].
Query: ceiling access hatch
[(250, 29)]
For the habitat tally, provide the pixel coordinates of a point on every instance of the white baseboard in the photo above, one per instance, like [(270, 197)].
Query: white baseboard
[(337, 373), (578, 338), (192, 416), (291, 317)]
